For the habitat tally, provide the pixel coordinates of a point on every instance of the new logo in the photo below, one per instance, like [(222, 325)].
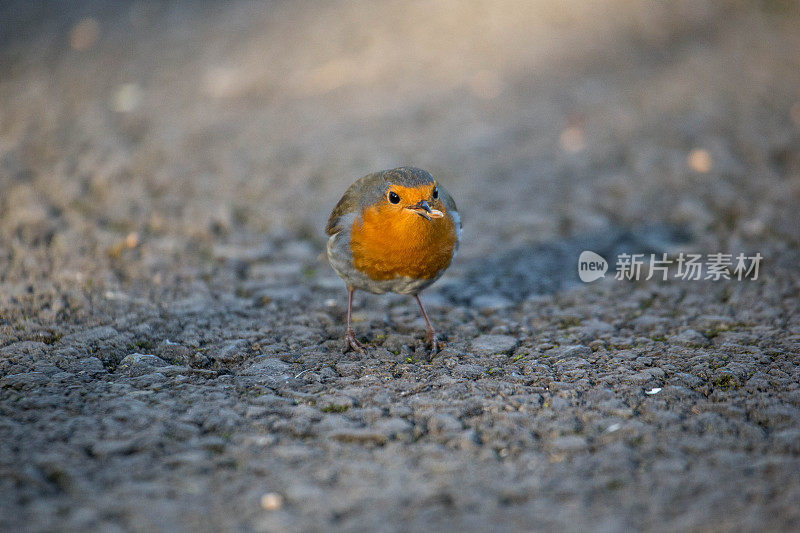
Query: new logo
[(591, 266)]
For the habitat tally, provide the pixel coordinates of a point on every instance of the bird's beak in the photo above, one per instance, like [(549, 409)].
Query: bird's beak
[(424, 210)]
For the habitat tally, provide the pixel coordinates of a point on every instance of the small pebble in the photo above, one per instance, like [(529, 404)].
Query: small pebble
[(271, 501)]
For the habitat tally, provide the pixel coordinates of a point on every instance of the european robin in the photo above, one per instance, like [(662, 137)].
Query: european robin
[(393, 231)]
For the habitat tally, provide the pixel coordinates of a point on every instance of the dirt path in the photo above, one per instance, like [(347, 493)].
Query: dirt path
[(170, 331)]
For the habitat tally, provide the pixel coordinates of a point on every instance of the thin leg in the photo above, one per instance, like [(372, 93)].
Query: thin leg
[(431, 334), (350, 337)]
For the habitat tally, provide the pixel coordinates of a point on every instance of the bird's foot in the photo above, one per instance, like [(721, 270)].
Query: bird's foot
[(351, 343), (435, 345)]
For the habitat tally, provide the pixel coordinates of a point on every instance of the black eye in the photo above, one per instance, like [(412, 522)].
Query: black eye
[(394, 197), (435, 194)]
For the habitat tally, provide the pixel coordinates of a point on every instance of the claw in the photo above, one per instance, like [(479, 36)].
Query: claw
[(430, 338), (351, 343), (435, 345)]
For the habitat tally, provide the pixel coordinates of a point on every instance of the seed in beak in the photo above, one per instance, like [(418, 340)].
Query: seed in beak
[(423, 209)]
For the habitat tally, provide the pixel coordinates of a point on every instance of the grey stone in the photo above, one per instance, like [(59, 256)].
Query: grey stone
[(24, 380), (394, 428), (443, 424), (690, 337), (270, 372), (91, 364), (105, 448), (138, 364), (493, 344), (686, 380), (564, 352), (233, 351)]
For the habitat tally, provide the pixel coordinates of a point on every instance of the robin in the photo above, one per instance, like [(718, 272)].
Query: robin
[(393, 231)]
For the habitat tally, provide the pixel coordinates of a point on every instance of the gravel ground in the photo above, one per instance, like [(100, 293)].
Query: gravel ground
[(171, 333)]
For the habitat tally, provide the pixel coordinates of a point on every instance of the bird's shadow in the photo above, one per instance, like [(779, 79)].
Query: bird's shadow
[(552, 266)]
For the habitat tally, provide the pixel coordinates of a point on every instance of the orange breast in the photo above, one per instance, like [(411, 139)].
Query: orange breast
[(387, 244)]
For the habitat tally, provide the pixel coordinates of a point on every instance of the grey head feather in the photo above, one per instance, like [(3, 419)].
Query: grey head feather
[(371, 188)]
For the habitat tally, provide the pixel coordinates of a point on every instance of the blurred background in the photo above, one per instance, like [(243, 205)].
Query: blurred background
[(141, 135)]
